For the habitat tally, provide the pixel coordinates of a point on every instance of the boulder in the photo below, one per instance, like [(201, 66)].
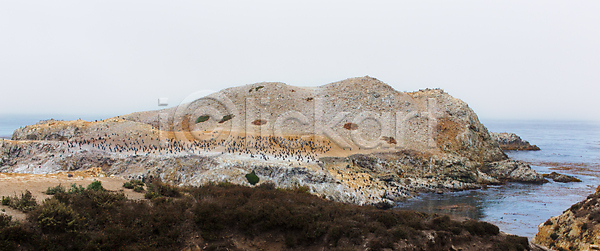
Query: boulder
[(561, 177)]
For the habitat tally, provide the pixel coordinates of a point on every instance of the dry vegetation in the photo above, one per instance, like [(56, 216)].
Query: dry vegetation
[(447, 130), (213, 216)]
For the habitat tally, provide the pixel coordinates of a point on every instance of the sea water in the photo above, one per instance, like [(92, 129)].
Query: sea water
[(568, 147)]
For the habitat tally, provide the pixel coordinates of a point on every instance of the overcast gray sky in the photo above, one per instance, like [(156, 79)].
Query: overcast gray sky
[(506, 59)]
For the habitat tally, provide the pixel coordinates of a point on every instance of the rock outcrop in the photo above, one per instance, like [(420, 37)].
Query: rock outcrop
[(561, 177), (50, 130), (578, 228), (357, 140), (511, 141)]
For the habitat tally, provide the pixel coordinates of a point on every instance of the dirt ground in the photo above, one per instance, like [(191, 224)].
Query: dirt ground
[(17, 183)]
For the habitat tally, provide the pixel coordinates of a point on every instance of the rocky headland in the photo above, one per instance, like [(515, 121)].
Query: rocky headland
[(357, 141), (511, 141), (577, 228)]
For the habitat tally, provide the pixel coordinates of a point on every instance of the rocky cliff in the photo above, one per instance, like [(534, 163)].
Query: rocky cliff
[(577, 228), (357, 140)]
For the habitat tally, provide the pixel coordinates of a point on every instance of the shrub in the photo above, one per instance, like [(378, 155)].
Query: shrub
[(55, 190), (128, 185), (399, 233), (151, 195), (15, 237), (226, 118), (96, 185), (136, 185), (5, 201), (252, 178), (513, 242), (202, 119), (5, 220), (302, 189), (481, 228), (102, 220), (75, 190), (25, 203), (158, 188), (55, 216)]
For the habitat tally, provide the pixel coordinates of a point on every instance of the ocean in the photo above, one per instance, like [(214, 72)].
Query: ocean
[(567, 147), (571, 147)]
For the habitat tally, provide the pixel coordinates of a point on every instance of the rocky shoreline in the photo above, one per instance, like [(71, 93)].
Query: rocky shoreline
[(576, 229)]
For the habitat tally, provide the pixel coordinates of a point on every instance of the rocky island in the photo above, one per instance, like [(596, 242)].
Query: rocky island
[(357, 141), (511, 141)]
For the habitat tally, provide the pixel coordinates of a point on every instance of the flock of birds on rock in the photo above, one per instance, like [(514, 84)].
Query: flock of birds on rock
[(259, 147)]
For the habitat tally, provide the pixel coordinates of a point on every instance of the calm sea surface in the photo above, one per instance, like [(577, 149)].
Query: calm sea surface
[(572, 147)]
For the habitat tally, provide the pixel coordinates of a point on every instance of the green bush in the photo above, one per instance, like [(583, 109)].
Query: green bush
[(5, 201), (56, 217), (96, 185), (151, 195), (252, 178), (75, 189), (226, 118), (128, 185), (55, 190), (136, 185), (25, 203), (202, 119), (157, 188)]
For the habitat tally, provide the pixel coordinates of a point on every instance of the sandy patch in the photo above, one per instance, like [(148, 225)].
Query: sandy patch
[(17, 183)]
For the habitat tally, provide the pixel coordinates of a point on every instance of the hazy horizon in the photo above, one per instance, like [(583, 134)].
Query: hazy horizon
[(535, 60)]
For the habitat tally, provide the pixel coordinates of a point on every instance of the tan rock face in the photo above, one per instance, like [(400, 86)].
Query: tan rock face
[(576, 229), (356, 140)]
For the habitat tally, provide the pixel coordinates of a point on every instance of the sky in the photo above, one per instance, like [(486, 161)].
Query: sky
[(506, 59)]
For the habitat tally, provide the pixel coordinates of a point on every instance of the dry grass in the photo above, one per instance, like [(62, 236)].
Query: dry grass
[(447, 130)]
